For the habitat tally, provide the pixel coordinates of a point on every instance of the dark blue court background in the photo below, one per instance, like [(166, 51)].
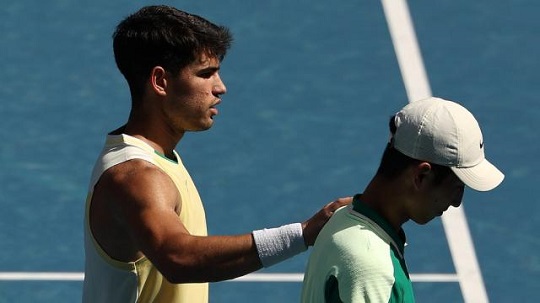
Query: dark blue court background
[(310, 87)]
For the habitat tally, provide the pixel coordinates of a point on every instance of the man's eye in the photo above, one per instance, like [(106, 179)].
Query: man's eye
[(208, 73)]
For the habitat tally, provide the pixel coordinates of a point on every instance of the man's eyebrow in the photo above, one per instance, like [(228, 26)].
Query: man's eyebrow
[(209, 69), (212, 67)]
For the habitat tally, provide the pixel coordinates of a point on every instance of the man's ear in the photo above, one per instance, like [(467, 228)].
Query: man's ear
[(422, 174), (158, 80)]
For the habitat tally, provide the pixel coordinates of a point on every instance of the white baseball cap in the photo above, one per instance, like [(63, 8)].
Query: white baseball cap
[(445, 133)]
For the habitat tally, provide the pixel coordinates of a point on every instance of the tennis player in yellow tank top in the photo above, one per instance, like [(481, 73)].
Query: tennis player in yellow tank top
[(145, 228)]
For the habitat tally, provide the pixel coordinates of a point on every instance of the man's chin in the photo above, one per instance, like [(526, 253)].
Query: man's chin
[(202, 127), (423, 221)]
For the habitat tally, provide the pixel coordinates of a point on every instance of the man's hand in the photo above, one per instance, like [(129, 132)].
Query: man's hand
[(313, 225)]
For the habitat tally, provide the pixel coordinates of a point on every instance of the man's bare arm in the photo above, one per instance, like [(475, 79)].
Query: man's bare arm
[(146, 203)]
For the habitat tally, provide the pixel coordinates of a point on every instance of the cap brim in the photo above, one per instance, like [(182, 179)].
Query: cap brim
[(482, 177)]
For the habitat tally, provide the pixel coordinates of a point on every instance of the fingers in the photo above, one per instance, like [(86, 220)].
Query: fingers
[(335, 205), (313, 226)]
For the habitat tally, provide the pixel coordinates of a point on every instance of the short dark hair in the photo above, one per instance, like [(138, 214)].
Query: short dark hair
[(167, 37), (393, 162)]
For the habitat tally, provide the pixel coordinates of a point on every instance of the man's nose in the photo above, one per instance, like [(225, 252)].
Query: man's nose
[(219, 88)]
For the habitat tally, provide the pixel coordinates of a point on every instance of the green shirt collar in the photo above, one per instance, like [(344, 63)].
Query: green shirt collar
[(398, 237)]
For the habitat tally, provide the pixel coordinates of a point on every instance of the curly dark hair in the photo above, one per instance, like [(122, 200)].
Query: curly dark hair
[(167, 37)]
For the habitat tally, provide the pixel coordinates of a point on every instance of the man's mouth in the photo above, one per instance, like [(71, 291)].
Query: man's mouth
[(214, 109)]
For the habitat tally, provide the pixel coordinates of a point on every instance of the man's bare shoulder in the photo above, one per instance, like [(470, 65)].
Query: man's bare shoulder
[(122, 197), (137, 181), (130, 169)]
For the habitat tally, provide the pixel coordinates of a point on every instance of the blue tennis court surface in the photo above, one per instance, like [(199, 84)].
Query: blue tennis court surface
[(311, 85)]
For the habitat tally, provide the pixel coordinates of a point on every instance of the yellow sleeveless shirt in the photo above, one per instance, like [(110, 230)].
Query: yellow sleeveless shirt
[(108, 280)]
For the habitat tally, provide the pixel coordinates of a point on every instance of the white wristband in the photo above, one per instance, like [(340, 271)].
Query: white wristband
[(278, 244)]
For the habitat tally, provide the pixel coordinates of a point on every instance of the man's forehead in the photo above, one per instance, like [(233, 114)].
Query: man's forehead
[(202, 62), (207, 60)]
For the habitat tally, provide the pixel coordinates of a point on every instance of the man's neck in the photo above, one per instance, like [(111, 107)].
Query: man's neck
[(160, 140), (384, 196)]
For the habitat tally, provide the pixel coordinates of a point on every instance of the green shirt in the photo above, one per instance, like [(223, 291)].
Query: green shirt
[(357, 257)]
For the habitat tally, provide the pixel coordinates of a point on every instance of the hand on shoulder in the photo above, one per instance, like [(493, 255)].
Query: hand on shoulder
[(313, 225)]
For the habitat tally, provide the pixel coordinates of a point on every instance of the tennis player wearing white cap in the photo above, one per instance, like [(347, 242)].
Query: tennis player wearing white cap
[(435, 149)]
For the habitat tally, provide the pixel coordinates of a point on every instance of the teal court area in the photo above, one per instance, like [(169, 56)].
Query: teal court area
[(311, 85)]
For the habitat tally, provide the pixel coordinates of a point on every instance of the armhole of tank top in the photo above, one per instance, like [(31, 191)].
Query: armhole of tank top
[(136, 153)]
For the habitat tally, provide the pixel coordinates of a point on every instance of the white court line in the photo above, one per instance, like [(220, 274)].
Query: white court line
[(417, 86), (41, 276), (298, 277), (256, 277), (407, 50), (464, 255)]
